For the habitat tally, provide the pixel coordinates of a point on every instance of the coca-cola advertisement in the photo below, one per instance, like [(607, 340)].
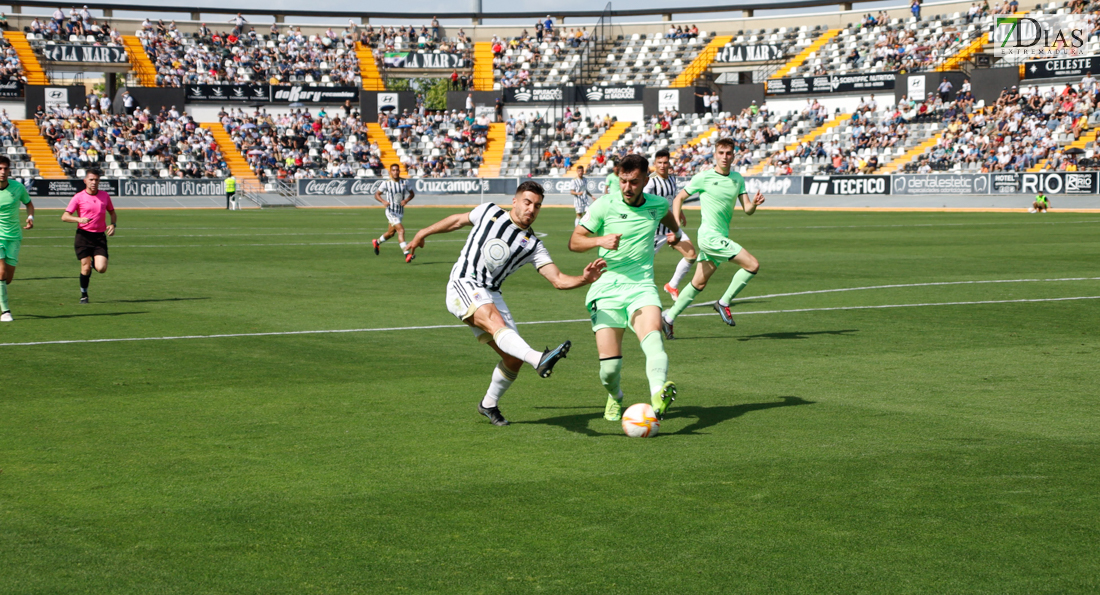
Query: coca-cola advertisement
[(338, 187), (361, 187)]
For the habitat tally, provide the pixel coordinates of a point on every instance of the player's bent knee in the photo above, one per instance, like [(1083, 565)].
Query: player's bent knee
[(512, 364)]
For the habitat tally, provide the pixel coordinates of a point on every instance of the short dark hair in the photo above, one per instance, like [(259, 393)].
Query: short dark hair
[(5, 161), (531, 186), (725, 142), (662, 153), (634, 162), (95, 171)]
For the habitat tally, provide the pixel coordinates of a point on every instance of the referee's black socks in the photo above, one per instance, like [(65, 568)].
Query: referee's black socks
[(84, 283)]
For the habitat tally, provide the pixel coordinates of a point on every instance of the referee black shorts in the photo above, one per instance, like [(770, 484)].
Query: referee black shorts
[(90, 243)]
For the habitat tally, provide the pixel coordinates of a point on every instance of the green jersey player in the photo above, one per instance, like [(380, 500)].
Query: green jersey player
[(611, 184), (622, 226), (719, 190), (12, 194)]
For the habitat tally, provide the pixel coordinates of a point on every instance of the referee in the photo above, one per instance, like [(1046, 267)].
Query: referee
[(89, 209)]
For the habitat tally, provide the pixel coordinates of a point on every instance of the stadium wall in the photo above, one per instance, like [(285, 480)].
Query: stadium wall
[(989, 82), (369, 102), (153, 98), (42, 95), (457, 99), (734, 98)]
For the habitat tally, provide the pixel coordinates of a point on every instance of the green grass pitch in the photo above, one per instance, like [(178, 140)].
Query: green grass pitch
[(918, 449)]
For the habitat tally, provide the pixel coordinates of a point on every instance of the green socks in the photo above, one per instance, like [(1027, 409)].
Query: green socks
[(3, 296), (611, 374), (740, 280), (656, 360), (687, 295)]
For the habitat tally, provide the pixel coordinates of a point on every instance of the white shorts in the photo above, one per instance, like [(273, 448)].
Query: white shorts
[(580, 204), (394, 219), (660, 241), (464, 298)]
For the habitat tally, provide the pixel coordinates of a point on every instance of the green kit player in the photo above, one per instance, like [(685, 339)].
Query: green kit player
[(12, 194), (622, 226), (719, 189), (611, 184)]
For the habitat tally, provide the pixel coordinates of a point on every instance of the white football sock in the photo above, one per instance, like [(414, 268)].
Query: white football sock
[(576, 221), (381, 239), (682, 269), (502, 380), (511, 343)]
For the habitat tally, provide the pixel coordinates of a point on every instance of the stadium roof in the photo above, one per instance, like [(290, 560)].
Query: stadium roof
[(632, 12)]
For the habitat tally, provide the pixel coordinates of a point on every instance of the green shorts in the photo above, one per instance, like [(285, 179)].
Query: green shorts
[(9, 251), (717, 249), (611, 306)]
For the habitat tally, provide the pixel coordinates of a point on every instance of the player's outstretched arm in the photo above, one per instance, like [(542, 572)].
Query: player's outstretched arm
[(583, 241), (560, 280), (750, 205), (445, 225)]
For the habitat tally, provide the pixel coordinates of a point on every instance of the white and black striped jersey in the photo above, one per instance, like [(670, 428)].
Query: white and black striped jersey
[(664, 187), (496, 248), (394, 192), (580, 185)]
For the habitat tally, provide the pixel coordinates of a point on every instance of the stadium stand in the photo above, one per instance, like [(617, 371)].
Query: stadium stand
[(284, 57), (1038, 130), (1028, 130), (166, 145), (30, 67), (11, 139), (12, 67), (650, 61), (439, 144)]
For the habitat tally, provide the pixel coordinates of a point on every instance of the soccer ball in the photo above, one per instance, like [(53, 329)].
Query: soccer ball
[(639, 421), (496, 252)]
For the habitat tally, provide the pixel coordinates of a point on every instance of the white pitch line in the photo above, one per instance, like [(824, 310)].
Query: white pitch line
[(125, 245), (933, 284), (446, 326)]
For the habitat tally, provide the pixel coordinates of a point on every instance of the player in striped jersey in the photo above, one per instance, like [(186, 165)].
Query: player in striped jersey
[(665, 186), (392, 193), (500, 243), (581, 196)]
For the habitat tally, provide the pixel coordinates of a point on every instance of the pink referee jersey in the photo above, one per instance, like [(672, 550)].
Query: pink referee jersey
[(93, 207)]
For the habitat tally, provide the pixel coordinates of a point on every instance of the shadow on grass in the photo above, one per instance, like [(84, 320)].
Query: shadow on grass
[(791, 335), (178, 299), (798, 335), (705, 417), (41, 317), (21, 279)]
